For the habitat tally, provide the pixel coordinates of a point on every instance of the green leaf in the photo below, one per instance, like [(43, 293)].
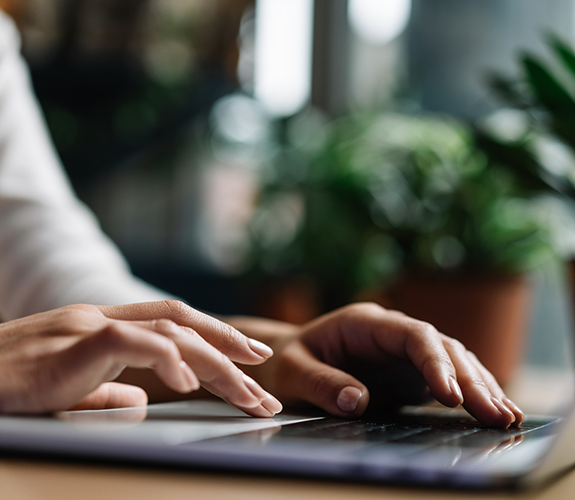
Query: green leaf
[(506, 89), (515, 157), (564, 128), (564, 51), (533, 176), (550, 93)]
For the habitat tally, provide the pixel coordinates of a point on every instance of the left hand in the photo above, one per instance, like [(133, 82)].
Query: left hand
[(67, 358), (343, 359)]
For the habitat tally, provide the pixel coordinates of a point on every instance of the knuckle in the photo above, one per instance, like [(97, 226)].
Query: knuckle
[(364, 309), (175, 308), (190, 333), (423, 330), (224, 369), (320, 383), (455, 345), (73, 320), (70, 316), (167, 348), (230, 336), (225, 364), (473, 357), (110, 336), (475, 379), (81, 307), (430, 365), (165, 325), (397, 312)]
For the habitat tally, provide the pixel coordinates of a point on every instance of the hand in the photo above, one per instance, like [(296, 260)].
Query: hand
[(341, 360), (65, 358)]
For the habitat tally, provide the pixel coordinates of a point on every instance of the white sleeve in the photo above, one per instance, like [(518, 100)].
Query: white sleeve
[(52, 250)]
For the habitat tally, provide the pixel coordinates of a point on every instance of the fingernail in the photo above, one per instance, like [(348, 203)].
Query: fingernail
[(191, 381), (503, 409), (255, 388), (260, 411), (455, 389), (261, 349), (272, 404), (519, 415), (348, 399)]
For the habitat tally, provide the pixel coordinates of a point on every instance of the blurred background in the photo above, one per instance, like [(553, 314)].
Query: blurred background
[(167, 114)]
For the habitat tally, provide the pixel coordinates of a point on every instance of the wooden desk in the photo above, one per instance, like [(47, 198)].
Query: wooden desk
[(44, 480), (27, 480)]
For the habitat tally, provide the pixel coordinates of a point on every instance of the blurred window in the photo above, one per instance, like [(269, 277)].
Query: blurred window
[(283, 45)]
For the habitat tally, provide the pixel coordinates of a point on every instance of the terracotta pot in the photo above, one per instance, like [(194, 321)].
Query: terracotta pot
[(295, 300), (488, 314)]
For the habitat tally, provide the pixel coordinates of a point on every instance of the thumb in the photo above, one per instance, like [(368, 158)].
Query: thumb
[(325, 386), (112, 395)]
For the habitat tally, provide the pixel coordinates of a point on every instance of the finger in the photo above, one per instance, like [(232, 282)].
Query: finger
[(506, 408), (222, 336), (214, 369), (406, 338), (102, 356), (322, 385), (269, 407), (112, 395), (496, 389), (479, 401)]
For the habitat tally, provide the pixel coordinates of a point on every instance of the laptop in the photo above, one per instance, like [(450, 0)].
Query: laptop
[(428, 445), (420, 445)]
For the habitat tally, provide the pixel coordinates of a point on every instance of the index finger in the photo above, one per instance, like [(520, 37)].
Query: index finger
[(222, 336)]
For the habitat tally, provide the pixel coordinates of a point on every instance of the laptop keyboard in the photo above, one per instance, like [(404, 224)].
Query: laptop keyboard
[(419, 433), (402, 447)]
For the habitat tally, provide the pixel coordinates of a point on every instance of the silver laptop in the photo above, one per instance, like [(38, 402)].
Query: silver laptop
[(428, 446)]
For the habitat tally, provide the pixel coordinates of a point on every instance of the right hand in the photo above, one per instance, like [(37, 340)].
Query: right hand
[(363, 353), (66, 358)]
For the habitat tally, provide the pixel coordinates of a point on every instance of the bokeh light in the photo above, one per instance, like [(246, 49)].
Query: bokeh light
[(377, 22)]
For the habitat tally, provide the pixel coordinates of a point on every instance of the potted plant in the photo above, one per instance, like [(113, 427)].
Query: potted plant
[(405, 210), (541, 147)]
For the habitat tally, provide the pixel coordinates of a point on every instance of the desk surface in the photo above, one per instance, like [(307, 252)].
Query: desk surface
[(44, 480), (27, 480)]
